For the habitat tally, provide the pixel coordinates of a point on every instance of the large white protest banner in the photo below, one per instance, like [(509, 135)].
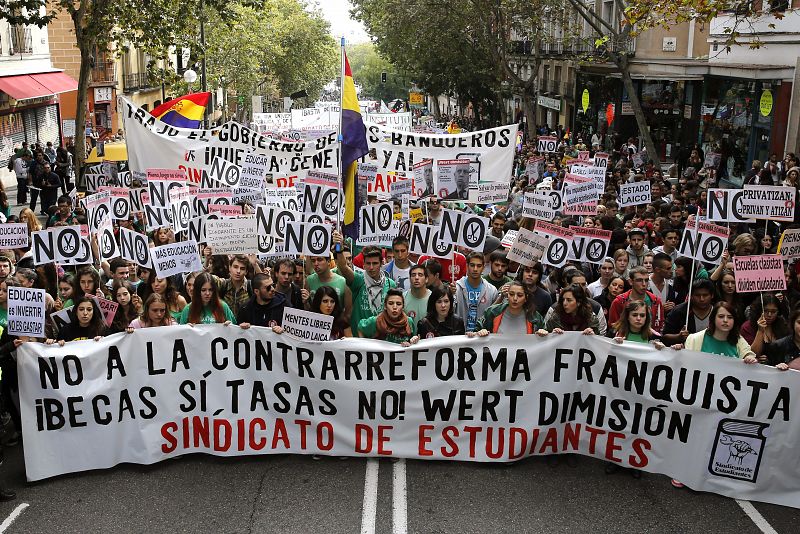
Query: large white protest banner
[(26, 307), (306, 325), (153, 144), (500, 398), (175, 258), (13, 235), (232, 236), (490, 152)]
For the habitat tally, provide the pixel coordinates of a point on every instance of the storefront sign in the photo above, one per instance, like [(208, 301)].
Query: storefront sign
[(550, 103), (765, 104)]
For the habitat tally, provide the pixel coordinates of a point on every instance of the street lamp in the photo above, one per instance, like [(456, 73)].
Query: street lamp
[(190, 76)]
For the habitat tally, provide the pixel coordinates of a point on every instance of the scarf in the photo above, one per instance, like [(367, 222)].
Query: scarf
[(572, 323), (375, 291), (386, 326)]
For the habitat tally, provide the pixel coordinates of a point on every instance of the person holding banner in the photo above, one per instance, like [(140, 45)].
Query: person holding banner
[(166, 288), (572, 313), (722, 336), (474, 295), (130, 305), (518, 315), (326, 302), (392, 324), (266, 306), (206, 306), (440, 319), (154, 313), (783, 353), (86, 322)]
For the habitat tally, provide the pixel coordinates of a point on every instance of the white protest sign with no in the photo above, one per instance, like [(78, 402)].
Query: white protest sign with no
[(26, 311), (560, 241), (306, 325), (377, 225), (310, 239), (425, 241)]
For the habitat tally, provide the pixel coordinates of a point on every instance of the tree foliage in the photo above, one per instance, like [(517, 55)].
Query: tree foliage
[(367, 65), (272, 50)]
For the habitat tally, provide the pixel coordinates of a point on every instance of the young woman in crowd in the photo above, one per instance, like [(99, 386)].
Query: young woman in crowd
[(206, 306), (766, 245), (154, 313), (163, 236), (765, 324), (615, 287), (188, 287), (721, 336), (783, 353), (621, 261), (166, 288), (572, 313), (326, 302), (635, 324), (440, 319), (86, 282), (392, 324), (726, 291), (532, 276), (86, 322), (28, 217), (683, 272), (517, 315), (65, 290), (130, 305)]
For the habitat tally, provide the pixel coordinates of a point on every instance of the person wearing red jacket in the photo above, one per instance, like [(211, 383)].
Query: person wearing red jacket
[(639, 279)]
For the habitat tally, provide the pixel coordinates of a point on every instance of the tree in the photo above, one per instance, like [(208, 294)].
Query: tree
[(152, 26), (274, 49), (368, 65)]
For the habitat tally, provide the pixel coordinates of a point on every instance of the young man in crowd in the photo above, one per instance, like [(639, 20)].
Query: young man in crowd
[(236, 290), (416, 298), (700, 303), (283, 273), (497, 276), (64, 214), (398, 269), (433, 273), (120, 272), (265, 307), (660, 283), (639, 280), (324, 276), (670, 237), (636, 248), (369, 288), (498, 225), (6, 267), (606, 272), (474, 295)]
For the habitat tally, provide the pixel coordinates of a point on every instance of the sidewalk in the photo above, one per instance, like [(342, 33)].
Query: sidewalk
[(11, 193)]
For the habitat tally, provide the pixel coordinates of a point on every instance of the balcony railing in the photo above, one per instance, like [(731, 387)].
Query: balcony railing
[(136, 81), (20, 40), (104, 72)]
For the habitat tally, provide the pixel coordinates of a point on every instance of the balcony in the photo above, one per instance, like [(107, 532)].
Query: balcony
[(104, 73), (136, 81), (20, 40)]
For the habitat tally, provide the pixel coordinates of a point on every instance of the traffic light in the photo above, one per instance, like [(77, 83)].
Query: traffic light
[(383, 77)]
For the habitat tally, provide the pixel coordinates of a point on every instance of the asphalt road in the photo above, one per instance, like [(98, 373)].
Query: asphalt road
[(295, 494)]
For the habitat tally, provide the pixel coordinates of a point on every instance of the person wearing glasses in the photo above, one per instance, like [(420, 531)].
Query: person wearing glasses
[(265, 307)]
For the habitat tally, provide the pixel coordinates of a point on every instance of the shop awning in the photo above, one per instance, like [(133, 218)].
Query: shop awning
[(27, 86)]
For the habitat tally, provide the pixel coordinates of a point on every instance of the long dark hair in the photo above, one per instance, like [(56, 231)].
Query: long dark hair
[(779, 327), (527, 289), (97, 326), (583, 310), (125, 314), (215, 305), (77, 292), (436, 294), (733, 335), (623, 326), (339, 324)]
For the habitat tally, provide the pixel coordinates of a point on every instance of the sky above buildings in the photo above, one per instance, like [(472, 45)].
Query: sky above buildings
[(337, 12)]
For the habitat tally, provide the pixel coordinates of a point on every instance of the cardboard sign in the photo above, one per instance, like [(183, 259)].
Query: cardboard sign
[(725, 205), (399, 188), (490, 193), (84, 257), (423, 176), (98, 208), (589, 244), (546, 144), (56, 244), (254, 170), (205, 197), (108, 308), (705, 242), (134, 247), (541, 205), (307, 325), (26, 311), (559, 243), (120, 203), (281, 197), (452, 179), (768, 202), (509, 238), (320, 203), (180, 202), (528, 248), (159, 183), (425, 241), (589, 208), (377, 225), (759, 273), (107, 242), (175, 258), (581, 193), (308, 238), (13, 235), (634, 194), (789, 245), (232, 236), (464, 230), (601, 160), (224, 172), (225, 210)]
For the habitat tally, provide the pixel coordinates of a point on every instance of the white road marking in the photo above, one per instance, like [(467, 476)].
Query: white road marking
[(399, 499), (12, 517), (756, 517), (369, 508)]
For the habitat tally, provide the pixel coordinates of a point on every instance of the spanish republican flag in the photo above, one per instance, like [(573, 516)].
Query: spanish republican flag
[(184, 112), (354, 147)]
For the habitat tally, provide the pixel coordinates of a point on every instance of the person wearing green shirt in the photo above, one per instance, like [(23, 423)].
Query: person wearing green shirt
[(498, 265), (369, 288), (324, 276), (206, 306), (392, 324), (416, 298), (722, 336)]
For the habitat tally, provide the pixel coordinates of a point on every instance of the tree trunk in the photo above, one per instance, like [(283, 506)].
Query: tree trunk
[(636, 106), (80, 118), (529, 107), (437, 112)]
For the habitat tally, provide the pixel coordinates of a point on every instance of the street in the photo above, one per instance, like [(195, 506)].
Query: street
[(295, 494)]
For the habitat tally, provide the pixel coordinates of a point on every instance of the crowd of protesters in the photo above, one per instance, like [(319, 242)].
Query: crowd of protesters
[(641, 293)]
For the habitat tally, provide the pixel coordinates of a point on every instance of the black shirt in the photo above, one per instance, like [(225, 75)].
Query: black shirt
[(783, 350), (270, 314)]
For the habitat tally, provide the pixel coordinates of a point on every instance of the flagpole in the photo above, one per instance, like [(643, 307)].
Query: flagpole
[(338, 247)]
